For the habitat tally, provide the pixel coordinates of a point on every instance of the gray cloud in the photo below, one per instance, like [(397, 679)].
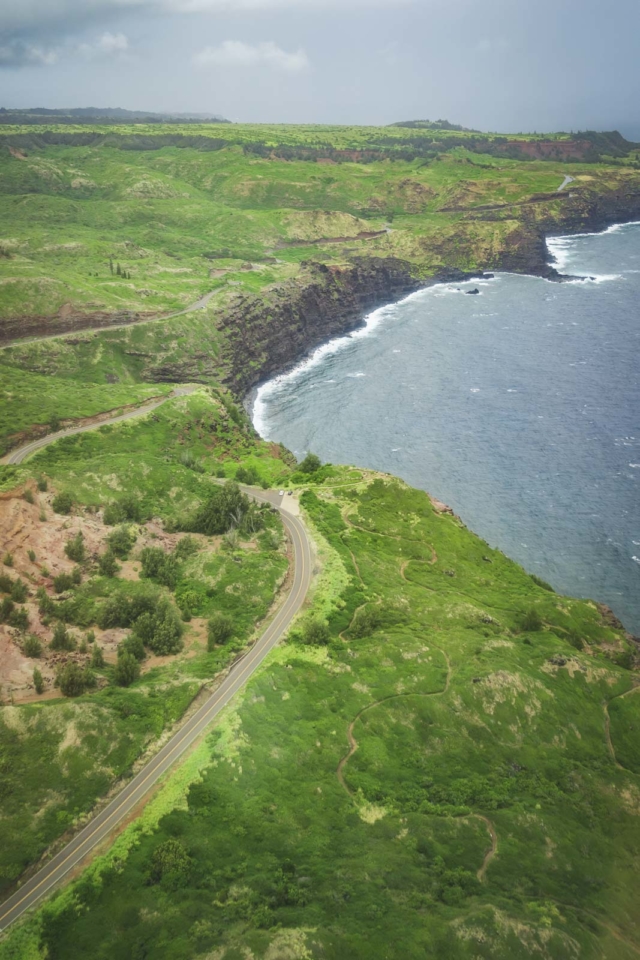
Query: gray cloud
[(18, 53), (235, 53)]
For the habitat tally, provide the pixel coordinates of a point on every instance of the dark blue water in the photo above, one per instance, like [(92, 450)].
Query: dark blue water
[(520, 408)]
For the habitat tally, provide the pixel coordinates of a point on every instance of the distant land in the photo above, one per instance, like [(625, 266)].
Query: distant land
[(101, 114)]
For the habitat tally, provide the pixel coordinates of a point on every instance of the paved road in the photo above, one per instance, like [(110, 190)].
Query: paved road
[(99, 828), (565, 183), (20, 453)]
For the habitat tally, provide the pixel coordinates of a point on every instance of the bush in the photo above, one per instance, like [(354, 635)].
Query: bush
[(6, 583), (122, 611), (133, 645), (310, 464), (108, 565), (32, 555), (225, 507), (161, 630), (219, 629), (46, 606), (315, 633), (62, 503), (531, 621), (127, 508), (542, 583), (8, 559), (97, 658), (248, 475), (191, 462), (28, 495), (72, 680), (127, 670), (6, 609), (121, 541), (159, 566), (170, 865), (74, 548), (38, 682), (43, 484), (76, 576), (186, 547), (64, 581), (32, 647), (19, 592), (62, 639), (19, 618)]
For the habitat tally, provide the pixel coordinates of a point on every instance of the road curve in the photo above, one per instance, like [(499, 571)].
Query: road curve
[(20, 453), (103, 823)]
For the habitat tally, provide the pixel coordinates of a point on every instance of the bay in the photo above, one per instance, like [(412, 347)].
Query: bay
[(518, 406)]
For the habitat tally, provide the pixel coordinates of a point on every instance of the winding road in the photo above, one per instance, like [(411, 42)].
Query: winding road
[(99, 828)]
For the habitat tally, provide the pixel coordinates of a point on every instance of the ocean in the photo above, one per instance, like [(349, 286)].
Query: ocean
[(518, 406)]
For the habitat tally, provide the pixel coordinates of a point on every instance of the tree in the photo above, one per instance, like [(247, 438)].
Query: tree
[(118, 271), (133, 645), (127, 670), (161, 630), (121, 541), (310, 464), (38, 682), (225, 507), (159, 566), (219, 629), (19, 591)]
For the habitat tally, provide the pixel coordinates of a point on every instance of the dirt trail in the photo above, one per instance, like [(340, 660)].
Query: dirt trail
[(607, 727)]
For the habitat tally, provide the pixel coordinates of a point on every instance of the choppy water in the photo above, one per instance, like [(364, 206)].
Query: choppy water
[(520, 408)]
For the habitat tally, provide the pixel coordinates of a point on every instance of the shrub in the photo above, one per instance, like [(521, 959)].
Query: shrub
[(97, 658), (121, 610), (186, 547), (71, 679), (121, 541), (159, 566), (62, 639), (247, 475), (542, 583), (6, 609), (62, 503), (46, 606), (19, 592), (74, 548), (108, 565), (8, 559), (76, 576), (310, 464), (225, 507), (219, 629), (28, 495), (19, 618), (127, 670), (531, 621), (54, 423), (90, 636), (6, 583), (32, 647), (32, 555), (63, 581), (366, 621), (43, 484), (38, 682), (191, 462), (315, 633)]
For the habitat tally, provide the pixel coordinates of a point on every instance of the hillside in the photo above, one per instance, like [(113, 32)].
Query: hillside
[(440, 760)]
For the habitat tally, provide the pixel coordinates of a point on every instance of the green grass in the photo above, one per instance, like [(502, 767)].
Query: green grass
[(458, 716)]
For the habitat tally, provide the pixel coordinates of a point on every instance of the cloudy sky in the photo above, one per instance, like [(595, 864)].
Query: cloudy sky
[(492, 64)]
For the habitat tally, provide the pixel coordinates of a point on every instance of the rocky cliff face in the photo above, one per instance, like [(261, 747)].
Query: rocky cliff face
[(266, 334)]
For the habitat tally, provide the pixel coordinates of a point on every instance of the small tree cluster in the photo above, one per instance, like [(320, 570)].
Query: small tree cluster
[(108, 566), (219, 629), (62, 503), (126, 508), (73, 680), (127, 670), (225, 507), (159, 566), (62, 639), (121, 541)]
